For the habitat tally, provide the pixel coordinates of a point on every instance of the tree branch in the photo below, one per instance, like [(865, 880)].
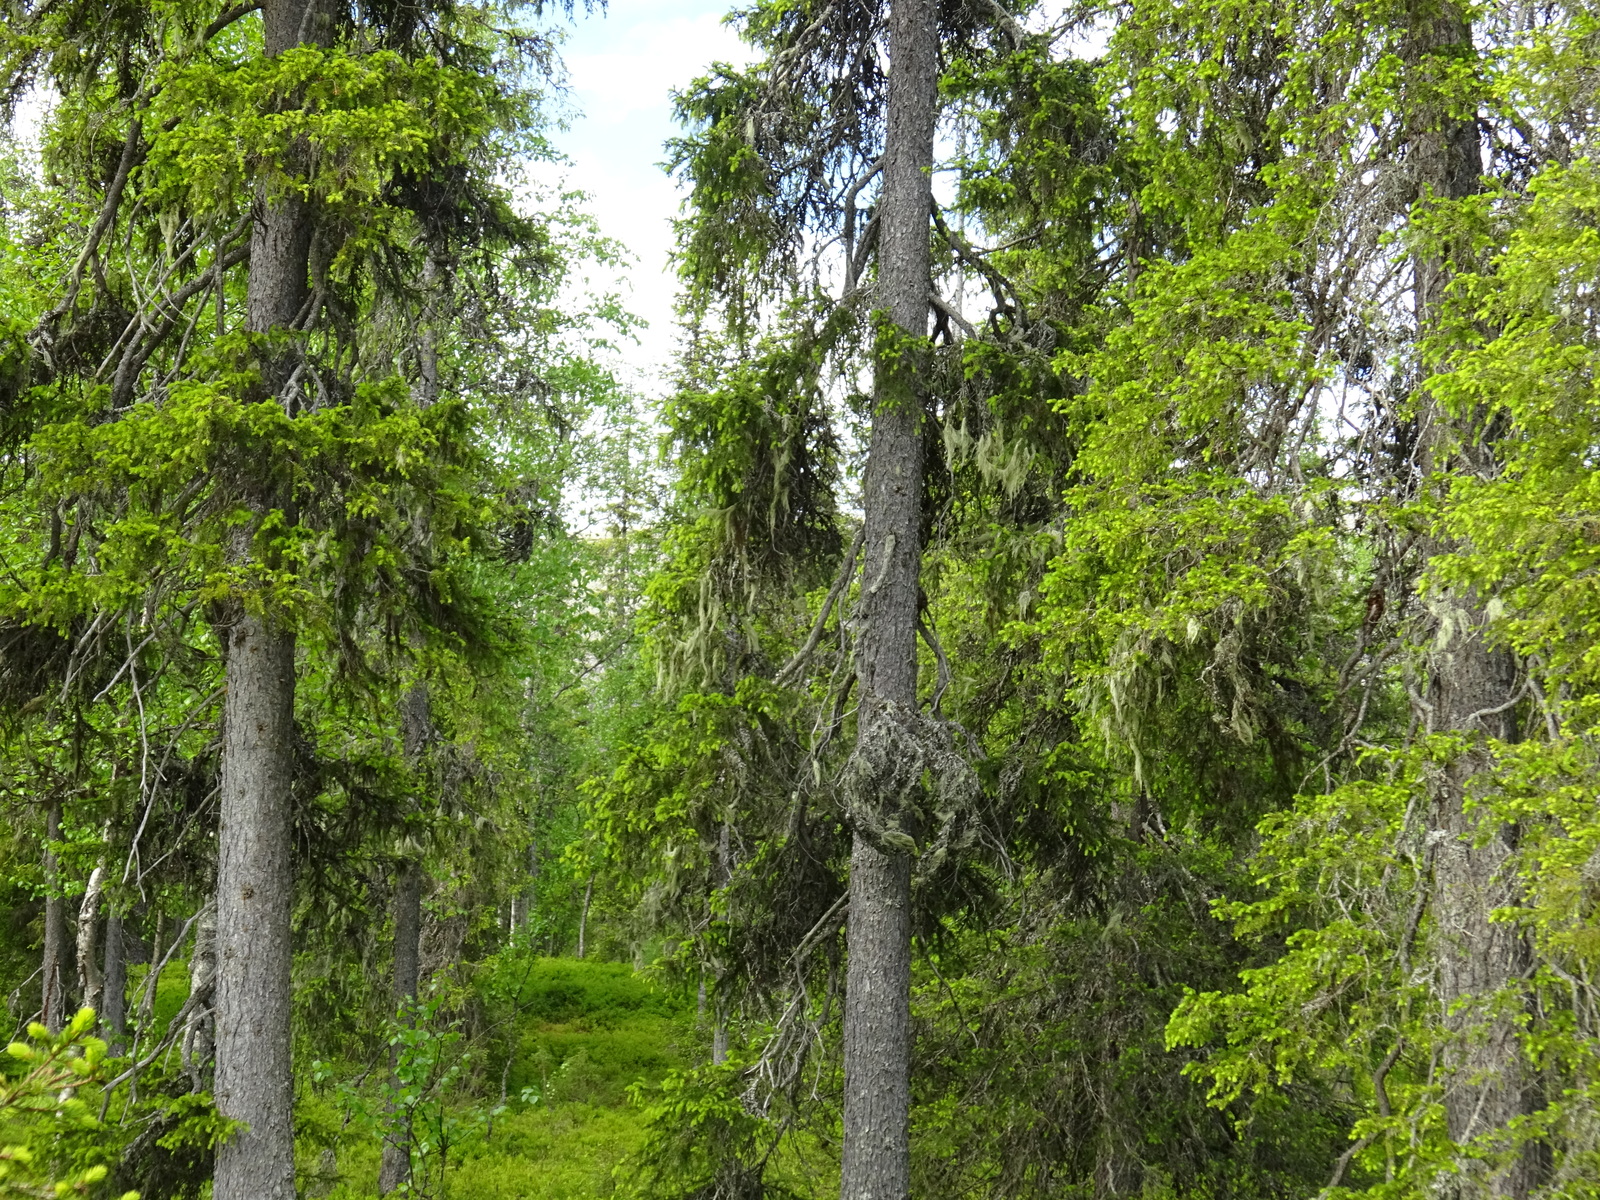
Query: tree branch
[(846, 571), (233, 14), (939, 656), (849, 203), (139, 352), (999, 285), (858, 260), (108, 212), (1344, 1162), (1012, 27), (942, 306)]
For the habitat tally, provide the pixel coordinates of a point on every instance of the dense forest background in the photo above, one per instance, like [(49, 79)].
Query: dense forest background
[(1089, 685)]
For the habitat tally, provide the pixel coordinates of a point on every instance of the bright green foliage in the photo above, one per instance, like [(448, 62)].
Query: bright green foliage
[(1353, 864), (41, 1099), (417, 470), (703, 1139), (1211, 478), (419, 1104), (567, 1040), (1343, 879), (1179, 577)]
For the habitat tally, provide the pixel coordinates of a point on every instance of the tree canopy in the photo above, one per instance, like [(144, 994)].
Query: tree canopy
[(1083, 683)]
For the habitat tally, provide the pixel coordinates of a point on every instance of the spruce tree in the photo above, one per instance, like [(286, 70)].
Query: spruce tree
[(877, 1013)]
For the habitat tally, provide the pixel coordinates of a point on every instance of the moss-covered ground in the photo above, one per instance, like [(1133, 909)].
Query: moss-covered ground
[(583, 1033)]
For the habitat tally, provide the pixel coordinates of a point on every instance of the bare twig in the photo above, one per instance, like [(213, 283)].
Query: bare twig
[(999, 285), (233, 14), (174, 1027), (139, 350), (846, 573), (851, 269), (826, 924), (951, 314), (932, 639), (108, 212)]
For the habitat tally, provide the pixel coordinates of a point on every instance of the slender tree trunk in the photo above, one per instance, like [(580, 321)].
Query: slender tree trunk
[(53, 999), (719, 1035), (522, 903), (115, 1011), (877, 1010), (533, 885), (407, 933), (719, 1016), (395, 1167), (152, 979), (583, 917), (89, 976), (255, 872), (1471, 688), (200, 1038)]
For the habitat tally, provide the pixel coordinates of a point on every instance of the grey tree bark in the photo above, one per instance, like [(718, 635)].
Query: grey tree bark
[(877, 1010), (255, 879), (200, 1038), (114, 1016), (407, 933), (1471, 691), (53, 998), (719, 1018), (255, 872), (395, 1167), (523, 902), (583, 916)]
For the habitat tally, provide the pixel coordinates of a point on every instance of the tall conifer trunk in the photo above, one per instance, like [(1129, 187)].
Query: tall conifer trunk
[(877, 1012), (255, 874), (416, 721), (1471, 690), (116, 979), (395, 1167), (53, 999), (255, 879)]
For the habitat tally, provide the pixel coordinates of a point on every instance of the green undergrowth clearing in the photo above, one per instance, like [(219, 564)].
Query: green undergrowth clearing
[(583, 1034)]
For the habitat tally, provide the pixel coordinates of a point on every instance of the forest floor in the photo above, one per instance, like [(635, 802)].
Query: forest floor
[(585, 1033)]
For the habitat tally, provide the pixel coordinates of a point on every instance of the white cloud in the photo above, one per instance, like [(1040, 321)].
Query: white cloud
[(623, 67)]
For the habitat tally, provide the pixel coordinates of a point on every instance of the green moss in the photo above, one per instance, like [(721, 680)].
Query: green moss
[(584, 1032), (568, 1149), (566, 990), (562, 1152), (568, 1062), (171, 991)]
